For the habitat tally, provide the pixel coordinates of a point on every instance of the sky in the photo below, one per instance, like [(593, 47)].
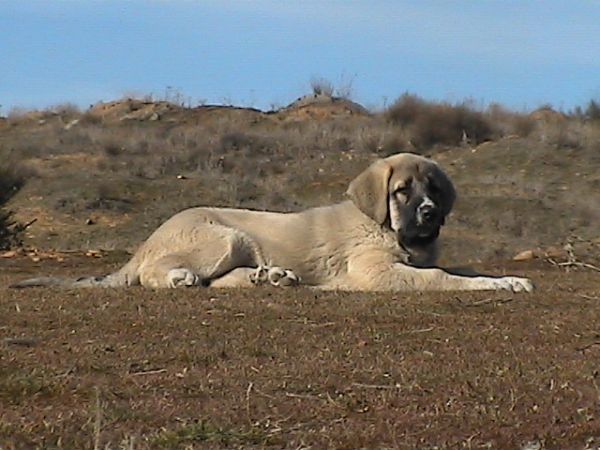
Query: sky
[(264, 53)]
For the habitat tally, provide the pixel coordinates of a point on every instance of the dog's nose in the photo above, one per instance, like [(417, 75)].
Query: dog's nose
[(427, 213)]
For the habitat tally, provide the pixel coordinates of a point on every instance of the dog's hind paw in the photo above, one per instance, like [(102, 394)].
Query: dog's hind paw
[(278, 276), (260, 275), (182, 277)]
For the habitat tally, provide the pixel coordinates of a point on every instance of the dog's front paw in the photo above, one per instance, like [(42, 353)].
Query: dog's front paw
[(182, 277), (514, 284), (275, 276), (517, 284)]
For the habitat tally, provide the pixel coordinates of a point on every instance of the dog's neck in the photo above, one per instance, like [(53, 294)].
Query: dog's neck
[(419, 241), (421, 251)]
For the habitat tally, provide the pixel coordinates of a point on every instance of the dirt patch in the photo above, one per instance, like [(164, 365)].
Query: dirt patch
[(321, 107)]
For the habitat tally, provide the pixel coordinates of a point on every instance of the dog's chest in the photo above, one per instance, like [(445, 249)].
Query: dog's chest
[(386, 240)]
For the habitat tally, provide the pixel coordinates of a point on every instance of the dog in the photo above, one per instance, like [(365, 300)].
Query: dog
[(384, 237)]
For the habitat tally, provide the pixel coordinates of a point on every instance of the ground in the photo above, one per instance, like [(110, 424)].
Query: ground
[(295, 368)]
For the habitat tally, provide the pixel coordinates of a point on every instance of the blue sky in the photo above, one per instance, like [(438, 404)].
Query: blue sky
[(264, 53)]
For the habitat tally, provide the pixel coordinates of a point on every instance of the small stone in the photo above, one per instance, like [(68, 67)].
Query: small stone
[(524, 256)]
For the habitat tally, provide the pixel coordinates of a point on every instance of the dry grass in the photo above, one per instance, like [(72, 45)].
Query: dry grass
[(265, 368), (136, 161), (136, 369), (441, 123)]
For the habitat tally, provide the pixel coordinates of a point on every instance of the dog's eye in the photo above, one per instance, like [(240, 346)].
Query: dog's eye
[(404, 190)]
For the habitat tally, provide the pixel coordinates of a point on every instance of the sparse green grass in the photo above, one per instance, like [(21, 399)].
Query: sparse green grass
[(17, 387)]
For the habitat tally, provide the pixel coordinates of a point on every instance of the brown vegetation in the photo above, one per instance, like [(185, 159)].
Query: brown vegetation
[(267, 368), (137, 161), (270, 368)]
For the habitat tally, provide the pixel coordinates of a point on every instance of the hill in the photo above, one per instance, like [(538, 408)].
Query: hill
[(104, 178)]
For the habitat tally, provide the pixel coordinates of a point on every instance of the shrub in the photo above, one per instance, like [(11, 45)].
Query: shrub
[(510, 123), (321, 86), (592, 111), (430, 123), (405, 109), (10, 230)]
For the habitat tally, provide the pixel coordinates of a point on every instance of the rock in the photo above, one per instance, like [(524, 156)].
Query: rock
[(524, 255)]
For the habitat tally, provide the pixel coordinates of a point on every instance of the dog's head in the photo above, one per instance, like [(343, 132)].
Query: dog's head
[(408, 193)]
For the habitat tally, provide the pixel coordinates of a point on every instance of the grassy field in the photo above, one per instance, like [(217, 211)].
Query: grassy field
[(296, 368), (278, 368)]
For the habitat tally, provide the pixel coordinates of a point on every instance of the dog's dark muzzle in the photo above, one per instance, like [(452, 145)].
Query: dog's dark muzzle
[(429, 215), (425, 226), (421, 239)]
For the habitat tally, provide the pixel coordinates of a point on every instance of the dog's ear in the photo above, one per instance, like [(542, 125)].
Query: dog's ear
[(369, 191), (447, 189)]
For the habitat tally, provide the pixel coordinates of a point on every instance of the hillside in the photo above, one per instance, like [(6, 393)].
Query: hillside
[(104, 178)]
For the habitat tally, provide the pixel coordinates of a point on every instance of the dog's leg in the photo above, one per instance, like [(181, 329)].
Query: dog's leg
[(377, 272), (221, 251), (192, 268), (226, 257), (169, 272), (242, 277), (260, 275)]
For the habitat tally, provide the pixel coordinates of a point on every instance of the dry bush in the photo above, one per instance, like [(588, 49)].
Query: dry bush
[(109, 198), (563, 136), (16, 113), (386, 143), (510, 123), (321, 86), (447, 124), (559, 130), (591, 112), (67, 110), (90, 118), (405, 110), (430, 123), (234, 163), (61, 115)]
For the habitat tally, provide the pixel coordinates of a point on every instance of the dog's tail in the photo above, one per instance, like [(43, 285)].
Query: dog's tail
[(120, 278)]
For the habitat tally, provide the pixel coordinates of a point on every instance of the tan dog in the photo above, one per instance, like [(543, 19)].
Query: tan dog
[(383, 239)]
